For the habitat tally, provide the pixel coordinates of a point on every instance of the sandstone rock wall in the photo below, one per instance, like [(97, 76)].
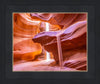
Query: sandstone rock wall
[(73, 38)]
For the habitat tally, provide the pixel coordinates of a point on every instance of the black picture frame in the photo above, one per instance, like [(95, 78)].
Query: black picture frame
[(9, 77)]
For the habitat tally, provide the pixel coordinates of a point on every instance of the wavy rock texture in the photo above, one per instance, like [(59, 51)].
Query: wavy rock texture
[(73, 40), (24, 26), (24, 29), (63, 20), (72, 28)]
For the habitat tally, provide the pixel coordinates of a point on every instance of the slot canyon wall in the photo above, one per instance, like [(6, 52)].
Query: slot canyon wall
[(24, 29), (29, 36)]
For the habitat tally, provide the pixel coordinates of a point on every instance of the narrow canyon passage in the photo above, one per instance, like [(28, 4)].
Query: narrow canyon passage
[(49, 42)]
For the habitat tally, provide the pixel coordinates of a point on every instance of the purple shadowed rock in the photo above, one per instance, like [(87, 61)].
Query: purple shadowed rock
[(73, 42)]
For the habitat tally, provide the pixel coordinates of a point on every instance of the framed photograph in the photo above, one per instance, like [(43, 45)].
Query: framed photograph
[(49, 43)]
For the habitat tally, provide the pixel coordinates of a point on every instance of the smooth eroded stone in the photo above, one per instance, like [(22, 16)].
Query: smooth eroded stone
[(24, 26), (26, 50), (61, 19), (75, 33), (24, 29), (73, 41)]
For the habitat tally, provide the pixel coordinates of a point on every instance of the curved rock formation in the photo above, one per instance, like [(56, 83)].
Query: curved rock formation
[(63, 19), (72, 28), (24, 29), (26, 50), (24, 26), (73, 39)]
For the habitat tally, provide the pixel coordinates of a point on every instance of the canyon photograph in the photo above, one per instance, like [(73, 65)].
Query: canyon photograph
[(50, 42)]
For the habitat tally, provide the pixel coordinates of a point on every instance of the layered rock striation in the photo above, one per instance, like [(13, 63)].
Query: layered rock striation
[(73, 39)]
